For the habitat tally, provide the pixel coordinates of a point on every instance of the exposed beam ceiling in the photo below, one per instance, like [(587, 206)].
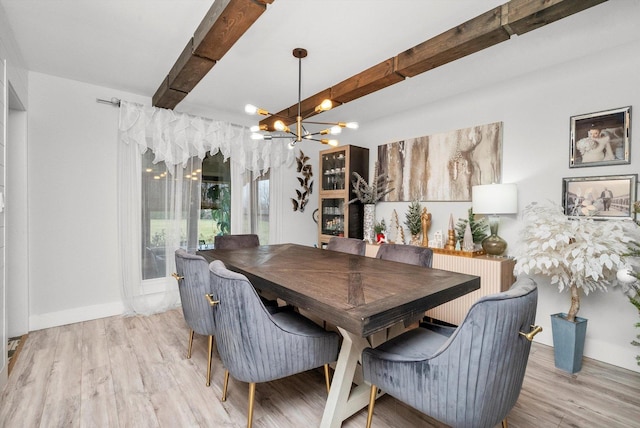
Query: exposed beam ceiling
[(228, 20), (488, 29), (224, 24)]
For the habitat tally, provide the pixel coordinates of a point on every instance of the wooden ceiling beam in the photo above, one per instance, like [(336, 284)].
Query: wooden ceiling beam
[(225, 22), (465, 39), (528, 15), (483, 31)]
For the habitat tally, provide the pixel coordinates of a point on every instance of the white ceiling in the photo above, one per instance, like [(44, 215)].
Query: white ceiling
[(130, 45)]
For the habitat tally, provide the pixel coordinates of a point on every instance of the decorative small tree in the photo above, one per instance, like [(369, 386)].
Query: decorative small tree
[(578, 254), (633, 289), (396, 234), (478, 227), (629, 277), (413, 221)]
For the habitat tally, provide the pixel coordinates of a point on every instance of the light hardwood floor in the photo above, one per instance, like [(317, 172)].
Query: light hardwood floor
[(133, 372)]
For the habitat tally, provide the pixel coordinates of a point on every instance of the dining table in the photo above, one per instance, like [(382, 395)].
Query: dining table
[(363, 297)]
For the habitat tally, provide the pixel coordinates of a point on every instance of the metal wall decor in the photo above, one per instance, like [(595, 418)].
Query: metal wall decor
[(305, 181)]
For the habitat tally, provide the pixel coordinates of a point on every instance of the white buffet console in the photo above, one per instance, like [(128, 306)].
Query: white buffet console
[(496, 275)]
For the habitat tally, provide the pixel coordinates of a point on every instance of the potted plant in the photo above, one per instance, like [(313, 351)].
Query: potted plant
[(629, 277), (380, 228), (369, 194), (579, 255)]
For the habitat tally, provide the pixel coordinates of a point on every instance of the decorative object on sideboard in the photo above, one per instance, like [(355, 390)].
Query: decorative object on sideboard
[(601, 138), (495, 199), (306, 183), (369, 194), (437, 240), (579, 254), (478, 227), (451, 236), (467, 240), (425, 222), (396, 232), (279, 128), (380, 229), (368, 220), (414, 222)]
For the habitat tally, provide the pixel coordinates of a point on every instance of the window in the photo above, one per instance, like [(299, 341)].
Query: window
[(188, 207), (255, 202), (215, 206), (170, 208)]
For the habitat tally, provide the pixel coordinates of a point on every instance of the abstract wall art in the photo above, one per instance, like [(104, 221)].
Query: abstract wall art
[(444, 166)]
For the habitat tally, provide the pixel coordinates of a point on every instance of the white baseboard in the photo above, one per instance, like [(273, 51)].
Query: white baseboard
[(70, 316)]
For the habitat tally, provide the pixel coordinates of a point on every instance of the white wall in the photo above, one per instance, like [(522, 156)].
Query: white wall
[(17, 209), (73, 254), (535, 111)]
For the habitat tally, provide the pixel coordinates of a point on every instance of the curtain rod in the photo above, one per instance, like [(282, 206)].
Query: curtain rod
[(113, 101), (116, 103)]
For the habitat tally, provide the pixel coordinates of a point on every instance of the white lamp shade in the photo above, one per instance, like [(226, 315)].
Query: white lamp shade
[(495, 199)]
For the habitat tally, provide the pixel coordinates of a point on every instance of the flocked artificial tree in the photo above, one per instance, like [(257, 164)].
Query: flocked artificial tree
[(413, 222), (478, 227)]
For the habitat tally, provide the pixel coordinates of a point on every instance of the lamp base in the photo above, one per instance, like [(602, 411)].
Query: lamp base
[(494, 245)]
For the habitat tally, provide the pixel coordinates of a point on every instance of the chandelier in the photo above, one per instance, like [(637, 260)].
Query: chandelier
[(280, 128)]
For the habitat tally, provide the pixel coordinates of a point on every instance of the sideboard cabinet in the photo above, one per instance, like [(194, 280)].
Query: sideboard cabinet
[(336, 216), (496, 275)]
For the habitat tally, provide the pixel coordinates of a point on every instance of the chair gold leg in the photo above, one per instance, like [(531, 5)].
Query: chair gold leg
[(372, 402), (326, 377), (224, 387), (252, 395), (190, 343), (504, 423), (209, 362)]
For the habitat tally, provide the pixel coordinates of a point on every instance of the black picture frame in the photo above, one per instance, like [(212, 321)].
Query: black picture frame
[(601, 138), (586, 197)]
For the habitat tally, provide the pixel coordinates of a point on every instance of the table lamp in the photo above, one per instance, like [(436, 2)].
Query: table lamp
[(491, 200)]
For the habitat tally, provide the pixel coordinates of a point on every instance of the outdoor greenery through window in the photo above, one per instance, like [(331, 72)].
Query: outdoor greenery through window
[(190, 207), (215, 194)]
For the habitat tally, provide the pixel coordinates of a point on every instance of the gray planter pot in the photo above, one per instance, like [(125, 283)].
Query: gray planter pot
[(568, 342)]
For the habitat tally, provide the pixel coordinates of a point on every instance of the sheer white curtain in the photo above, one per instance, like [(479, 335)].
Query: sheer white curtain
[(175, 139)]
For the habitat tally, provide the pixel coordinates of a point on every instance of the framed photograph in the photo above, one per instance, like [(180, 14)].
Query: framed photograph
[(606, 197), (601, 138)]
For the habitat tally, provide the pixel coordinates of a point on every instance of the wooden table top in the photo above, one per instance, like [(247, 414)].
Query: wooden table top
[(361, 294)]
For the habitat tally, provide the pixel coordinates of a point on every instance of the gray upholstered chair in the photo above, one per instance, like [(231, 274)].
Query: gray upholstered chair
[(193, 284), (410, 254), (470, 378), (347, 245), (235, 242), (256, 346), (239, 241)]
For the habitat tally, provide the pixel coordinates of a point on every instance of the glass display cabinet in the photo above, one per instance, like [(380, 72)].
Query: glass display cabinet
[(336, 216)]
